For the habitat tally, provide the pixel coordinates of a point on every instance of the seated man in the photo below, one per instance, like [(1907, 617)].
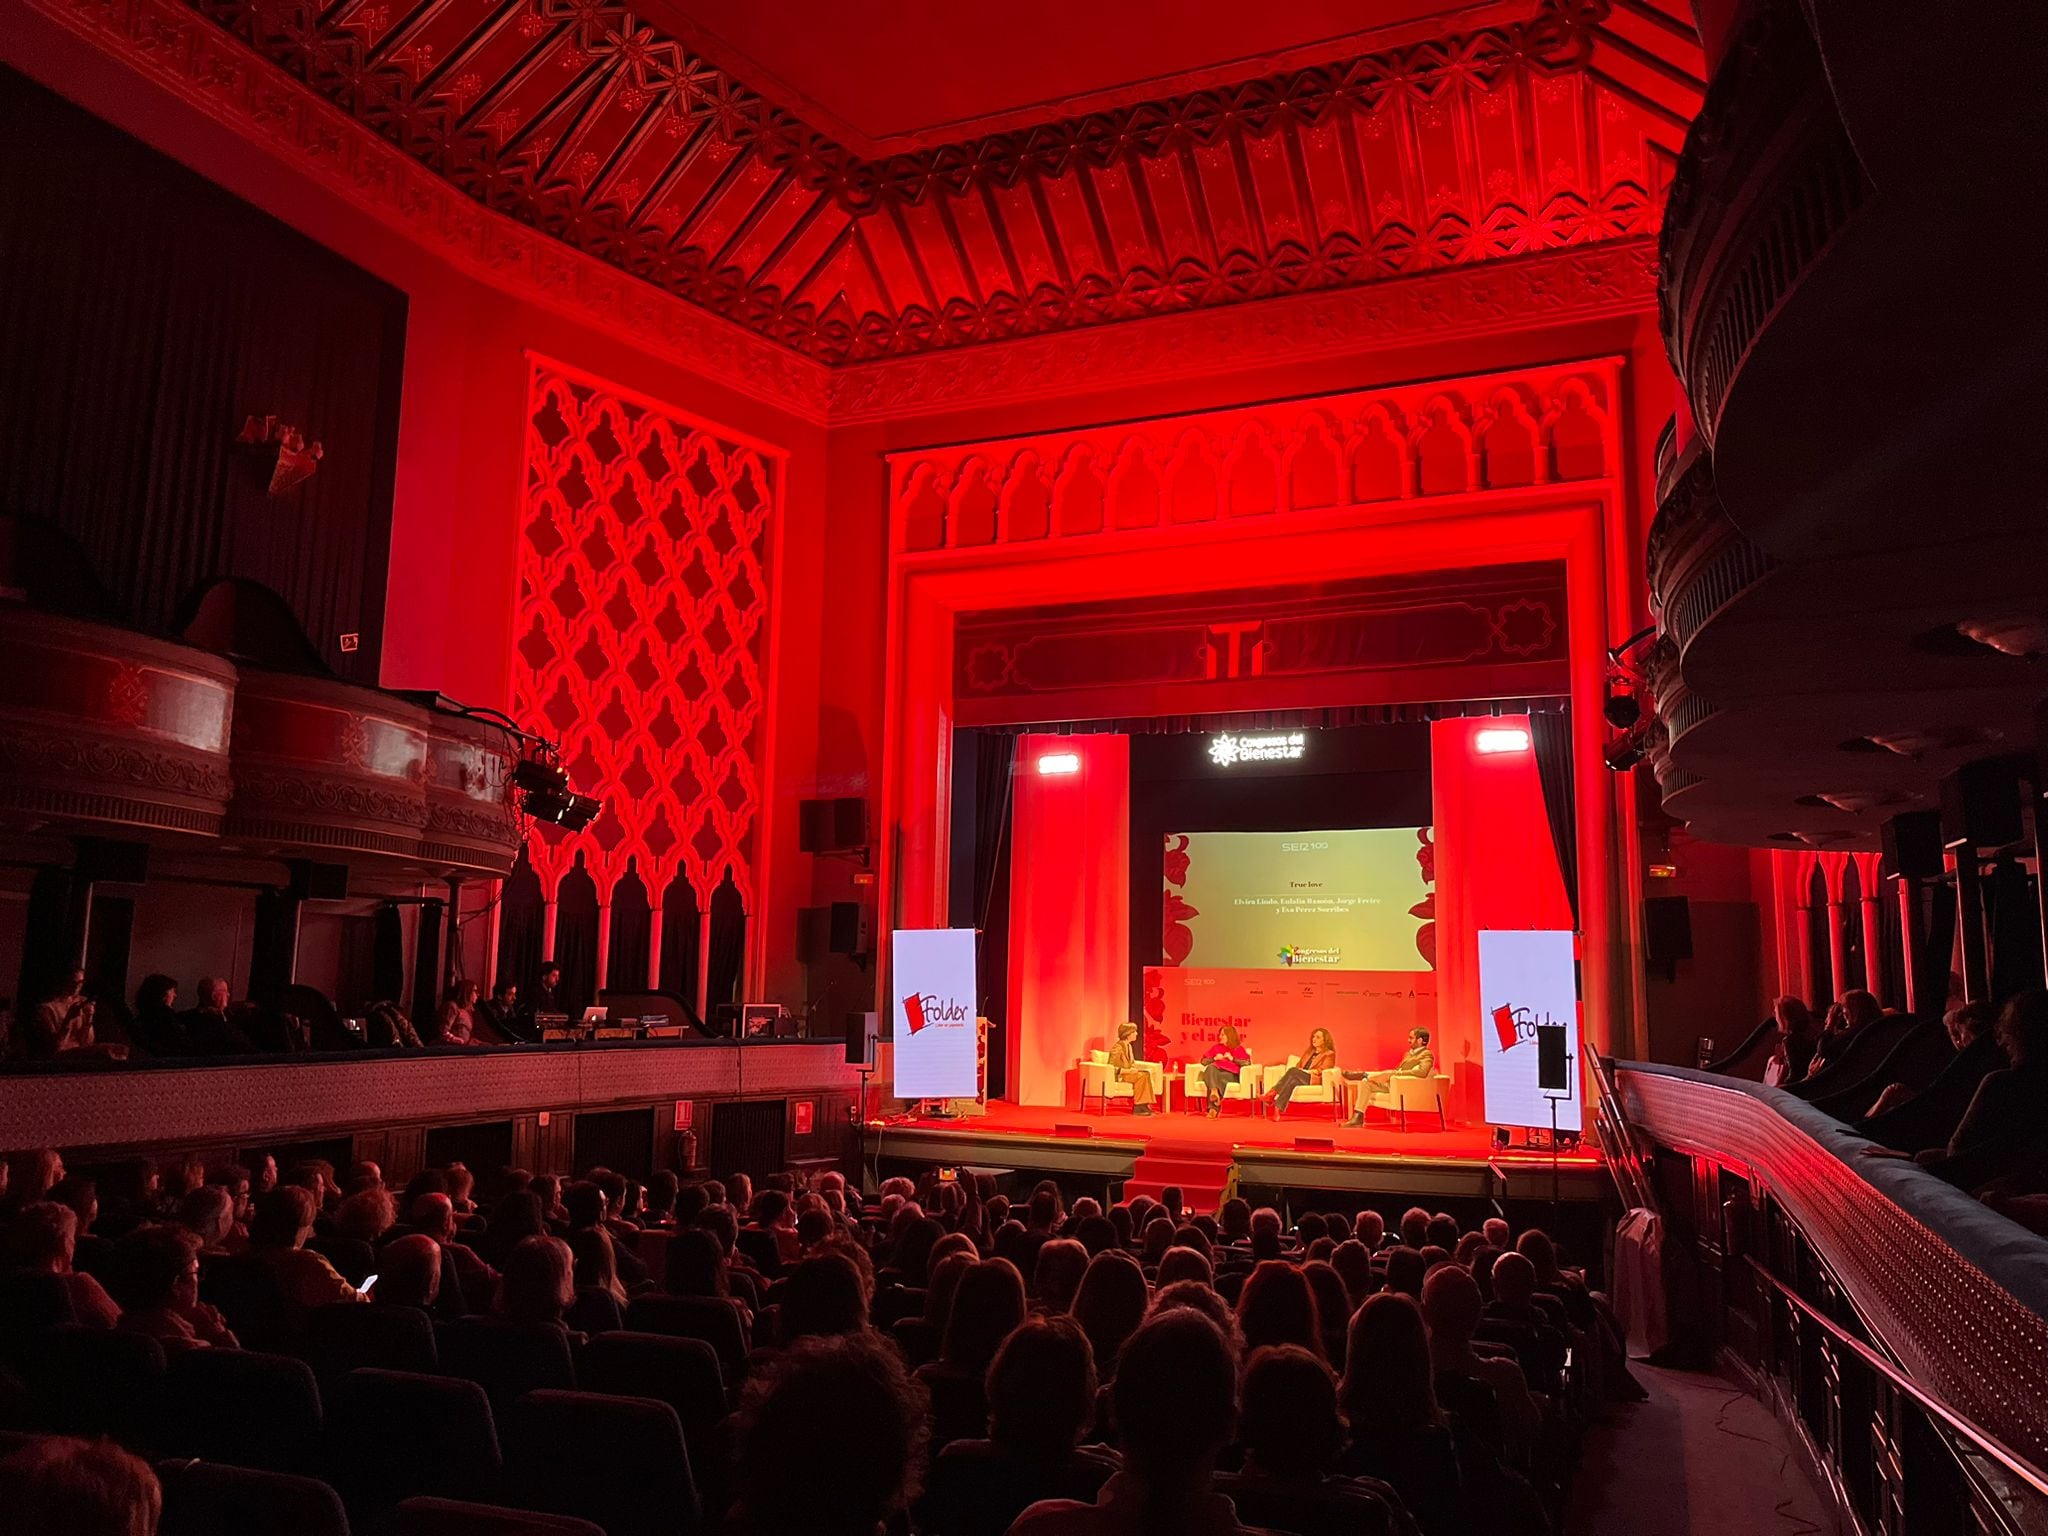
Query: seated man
[(498, 1020), (1123, 1061), (1420, 1061)]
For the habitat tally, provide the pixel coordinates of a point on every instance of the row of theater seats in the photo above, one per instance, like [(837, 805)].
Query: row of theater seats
[(380, 1407)]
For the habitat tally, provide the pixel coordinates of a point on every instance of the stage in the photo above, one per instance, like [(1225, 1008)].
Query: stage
[(1131, 1154)]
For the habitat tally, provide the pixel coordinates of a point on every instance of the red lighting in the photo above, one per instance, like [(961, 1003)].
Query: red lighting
[(1501, 739), (1054, 763)]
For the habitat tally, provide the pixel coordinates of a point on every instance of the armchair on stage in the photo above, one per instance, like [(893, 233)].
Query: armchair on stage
[(1098, 1077), (1194, 1087), (1325, 1087), (1424, 1095)]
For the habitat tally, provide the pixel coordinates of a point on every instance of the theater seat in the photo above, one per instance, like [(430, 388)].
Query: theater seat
[(96, 1381), (594, 1311), (617, 1461), (32, 1303), (203, 1498), (680, 1372), (394, 1434), (508, 1360), (917, 1338), (253, 1302), (710, 1318), (346, 1335), (453, 1517), (238, 1406)]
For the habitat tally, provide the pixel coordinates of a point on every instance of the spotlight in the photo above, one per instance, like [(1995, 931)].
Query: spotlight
[(1622, 711), (1060, 763), (545, 795), (1501, 739), (534, 777), (1624, 752)]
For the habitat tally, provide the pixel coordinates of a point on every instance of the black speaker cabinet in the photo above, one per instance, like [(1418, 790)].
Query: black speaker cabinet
[(860, 1031), (1912, 846), (1667, 929), (1553, 1067), (1980, 804), (832, 826)]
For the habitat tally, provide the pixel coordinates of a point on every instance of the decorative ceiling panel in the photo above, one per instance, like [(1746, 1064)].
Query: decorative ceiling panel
[(579, 118)]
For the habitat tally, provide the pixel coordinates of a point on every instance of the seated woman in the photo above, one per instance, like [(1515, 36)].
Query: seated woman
[(156, 1281), (1420, 1061), (1222, 1064), (1123, 1061), (1320, 1056)]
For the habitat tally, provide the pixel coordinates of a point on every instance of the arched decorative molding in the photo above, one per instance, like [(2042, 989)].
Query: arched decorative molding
[(1436, 443)]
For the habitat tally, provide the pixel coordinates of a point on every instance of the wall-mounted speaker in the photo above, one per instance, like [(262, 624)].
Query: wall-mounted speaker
[(1980, 804), (1912, 846), (319, 882), (843, 928), (1667, 930), (838, 825)]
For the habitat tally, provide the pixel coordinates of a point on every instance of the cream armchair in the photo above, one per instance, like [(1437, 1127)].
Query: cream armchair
[(1100, 1078), (1324, 1087), (1426, 1095), (1249, 1084)]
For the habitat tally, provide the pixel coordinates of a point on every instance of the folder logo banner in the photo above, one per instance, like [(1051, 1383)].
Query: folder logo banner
[(1527, 982), (936, 1041)]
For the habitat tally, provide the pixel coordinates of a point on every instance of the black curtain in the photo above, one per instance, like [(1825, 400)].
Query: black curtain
[(147, 313), (728, 945), (1890, 986), (426, 968), (1551, 737), (387, 966), (1855, 972), (2013, 919), (272, 945), (1819, 951), (1938, 959), (576, 939), (680, 940), (522, 923), (632, 929)]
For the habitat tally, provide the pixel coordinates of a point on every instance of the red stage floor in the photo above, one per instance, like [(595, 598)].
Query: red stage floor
[(1232, 1129)]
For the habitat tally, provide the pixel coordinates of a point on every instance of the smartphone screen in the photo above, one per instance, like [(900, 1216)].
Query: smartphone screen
[(368, 1285)]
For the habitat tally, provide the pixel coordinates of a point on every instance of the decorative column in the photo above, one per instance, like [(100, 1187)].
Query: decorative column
[(704, 964), (1873, 942), (604, 943), (1838, 932), (548, 914)]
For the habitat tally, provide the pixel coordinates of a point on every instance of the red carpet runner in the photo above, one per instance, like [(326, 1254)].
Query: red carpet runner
[(1200, 1168)]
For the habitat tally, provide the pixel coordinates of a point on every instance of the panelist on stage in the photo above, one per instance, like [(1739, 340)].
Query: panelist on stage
[(1221, 1065), (1419, 1062), (1320, 1056), (1123, 1061)]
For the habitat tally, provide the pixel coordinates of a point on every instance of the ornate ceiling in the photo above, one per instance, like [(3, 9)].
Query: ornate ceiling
[(582, 119)]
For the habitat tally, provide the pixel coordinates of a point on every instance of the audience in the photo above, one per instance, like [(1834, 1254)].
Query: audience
[(1210, 1374), (64, 1487)]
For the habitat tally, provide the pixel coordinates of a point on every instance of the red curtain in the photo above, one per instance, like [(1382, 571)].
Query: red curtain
[(1070, 910)]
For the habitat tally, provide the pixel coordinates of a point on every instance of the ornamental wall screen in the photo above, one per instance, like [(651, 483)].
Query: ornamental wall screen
[(644, 584)]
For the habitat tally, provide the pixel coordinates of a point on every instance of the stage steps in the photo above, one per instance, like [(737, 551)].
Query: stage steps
[(1203, 1171)]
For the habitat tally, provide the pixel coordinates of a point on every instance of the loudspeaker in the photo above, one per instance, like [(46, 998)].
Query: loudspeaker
[(1980, 804), (843, 928), (318, 882), (1667, 929), (860, 1030), (1912, 846), (102, 858), (832, 826), (1553, 1072)]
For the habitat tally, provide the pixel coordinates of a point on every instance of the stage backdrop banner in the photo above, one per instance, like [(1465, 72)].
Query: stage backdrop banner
[(936, 1047), (1368, 1013), (1528, 985)]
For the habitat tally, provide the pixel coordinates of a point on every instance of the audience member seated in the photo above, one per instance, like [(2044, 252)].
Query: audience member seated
[(1398, 1433), (433, 1215), (1175, 1403), (1057, 1277), (1796, 1040), (62, 1487), (278, 1230), (498, 1019), (157, 1028), (209, 1029), (409, 1273), (987, 1304), (156, 1282), (1041, 1397), (1907, 1121), (859, 1422), (1513, 1318), (538, 1283), (43, 1237), (825, 1296), (1292, 1434), (1451, 1308), (2003, 1135), (1110, 1306), (1849, 1017)]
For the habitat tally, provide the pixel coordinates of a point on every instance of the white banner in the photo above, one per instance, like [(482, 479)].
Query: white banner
[(1528, 987), (936, 1040)]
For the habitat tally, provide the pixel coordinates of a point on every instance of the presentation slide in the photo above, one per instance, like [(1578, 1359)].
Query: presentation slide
[(936, 1040), (1529, 1006), (1351, 900)]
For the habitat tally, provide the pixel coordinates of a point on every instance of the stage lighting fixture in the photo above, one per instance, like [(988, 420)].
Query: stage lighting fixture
[(1060, 762), (534, 777), (1623, 753), (545, 795), (1501, 739), (1622, 710)]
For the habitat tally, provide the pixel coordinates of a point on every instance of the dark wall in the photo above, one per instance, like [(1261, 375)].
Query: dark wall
[(144, 314), (1356, 776)]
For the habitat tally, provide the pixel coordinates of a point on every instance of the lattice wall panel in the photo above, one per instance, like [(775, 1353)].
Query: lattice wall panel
[(643, 631)]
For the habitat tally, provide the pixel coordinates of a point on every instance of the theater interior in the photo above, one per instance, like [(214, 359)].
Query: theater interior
[(947, 768)]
